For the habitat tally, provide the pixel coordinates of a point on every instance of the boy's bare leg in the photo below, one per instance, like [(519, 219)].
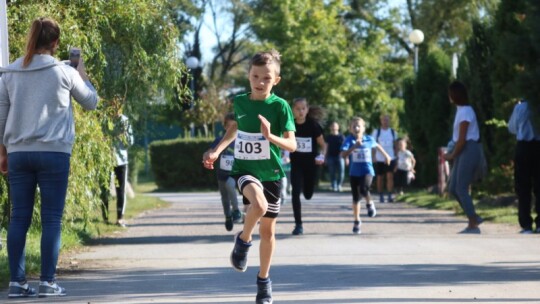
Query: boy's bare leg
[(256, 209), (267, 232)]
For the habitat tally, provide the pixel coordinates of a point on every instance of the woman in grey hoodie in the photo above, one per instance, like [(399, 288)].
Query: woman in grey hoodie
[(36, 138)]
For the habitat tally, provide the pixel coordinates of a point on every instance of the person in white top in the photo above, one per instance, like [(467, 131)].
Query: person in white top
[(386, 137), (404, 171), (466, 154)]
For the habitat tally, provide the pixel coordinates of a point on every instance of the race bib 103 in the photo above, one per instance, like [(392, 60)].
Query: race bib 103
[(251, 146)]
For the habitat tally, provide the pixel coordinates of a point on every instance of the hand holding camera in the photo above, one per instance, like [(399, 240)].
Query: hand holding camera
[(76, 61)]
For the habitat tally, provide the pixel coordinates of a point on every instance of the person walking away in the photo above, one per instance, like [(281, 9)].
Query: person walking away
[(386, 137), (226, 184), (334, 161), (122, 138), (404, 171), (264, 124), (358, 148), (36, 139), (306, 159), (526, 165), (466, 154)]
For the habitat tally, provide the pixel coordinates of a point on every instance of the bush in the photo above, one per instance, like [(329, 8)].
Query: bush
[(176, 164)]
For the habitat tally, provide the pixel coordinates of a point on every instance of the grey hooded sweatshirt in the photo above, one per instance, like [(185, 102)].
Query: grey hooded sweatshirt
[(36, 113)]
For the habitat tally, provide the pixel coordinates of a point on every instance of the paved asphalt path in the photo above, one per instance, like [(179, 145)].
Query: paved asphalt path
[(404, 255)]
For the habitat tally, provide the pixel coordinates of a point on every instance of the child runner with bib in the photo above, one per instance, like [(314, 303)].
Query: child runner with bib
[(306, 158), (264, 124), (227, 184), (357, 147)]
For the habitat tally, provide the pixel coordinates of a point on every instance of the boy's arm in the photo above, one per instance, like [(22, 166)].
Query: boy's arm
[(210, 156), (287, 142)]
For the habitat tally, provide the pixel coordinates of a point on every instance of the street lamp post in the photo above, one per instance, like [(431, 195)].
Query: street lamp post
[(416, 37), (192, 63)]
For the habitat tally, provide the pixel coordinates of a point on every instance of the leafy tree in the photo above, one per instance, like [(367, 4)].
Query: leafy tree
[(130, 49), (428, 113)]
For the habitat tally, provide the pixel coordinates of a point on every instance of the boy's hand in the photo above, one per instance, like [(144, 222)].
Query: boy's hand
[(388, 160), (265, 127), (209, 157)]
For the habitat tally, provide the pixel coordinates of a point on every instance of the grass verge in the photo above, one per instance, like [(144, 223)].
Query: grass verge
[(73, 239), (500, 209)]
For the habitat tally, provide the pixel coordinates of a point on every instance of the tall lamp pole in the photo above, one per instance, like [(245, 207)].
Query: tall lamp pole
[(416, 37), (4, 48), (192, 63)]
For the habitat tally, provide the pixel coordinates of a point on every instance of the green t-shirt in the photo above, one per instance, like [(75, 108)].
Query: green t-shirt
[(254, 154)]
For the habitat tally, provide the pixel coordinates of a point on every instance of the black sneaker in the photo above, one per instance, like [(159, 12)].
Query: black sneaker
[(239, 253), (371, 211), (298, 230), (264, 292), (356, 227), (390, 198), (52, 289), (237, 217), (381, 198), (18, 290), (229, 223)]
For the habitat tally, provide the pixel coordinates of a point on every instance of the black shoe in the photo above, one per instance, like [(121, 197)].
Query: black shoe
[(264, 292), (237, 217), (356, 227), (371, 211), (298, 230), (229, 223), (239, 253)]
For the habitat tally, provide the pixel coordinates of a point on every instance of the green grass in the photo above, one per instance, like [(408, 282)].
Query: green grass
[(493, 209), (73, 239)]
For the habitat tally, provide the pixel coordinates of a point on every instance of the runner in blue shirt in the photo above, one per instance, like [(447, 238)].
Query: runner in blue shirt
[(357, 147)]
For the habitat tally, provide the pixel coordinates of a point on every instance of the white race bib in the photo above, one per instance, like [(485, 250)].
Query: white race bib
[(251, 146), (361, 155), (226, 162), (303, 144)]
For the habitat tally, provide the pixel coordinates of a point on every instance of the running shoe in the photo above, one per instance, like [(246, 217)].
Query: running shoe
[(264, 292), (371, 211), (229, 223), (237, 217), (17, 290), (239, 253), (390, 198), (526, 231), (381, 198), (50, 289), (356, 227), (298, 230)]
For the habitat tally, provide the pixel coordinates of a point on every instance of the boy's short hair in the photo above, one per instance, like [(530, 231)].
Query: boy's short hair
[(267, 58)]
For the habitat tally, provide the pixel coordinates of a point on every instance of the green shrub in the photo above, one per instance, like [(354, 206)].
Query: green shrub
[(176, 164)]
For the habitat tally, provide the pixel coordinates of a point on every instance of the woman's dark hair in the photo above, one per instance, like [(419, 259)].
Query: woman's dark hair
[(316, 113), (267, 58), (458, 93), (43, 33)]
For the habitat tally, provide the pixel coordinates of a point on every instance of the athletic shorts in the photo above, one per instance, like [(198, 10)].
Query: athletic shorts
[(272, 192), (360, 185), (381, 168)]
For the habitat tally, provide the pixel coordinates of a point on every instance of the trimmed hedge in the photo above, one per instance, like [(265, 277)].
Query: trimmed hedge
[(176, 164)]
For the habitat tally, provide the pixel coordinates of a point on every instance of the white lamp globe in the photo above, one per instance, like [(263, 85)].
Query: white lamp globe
[(192, 62), (416, 37)]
